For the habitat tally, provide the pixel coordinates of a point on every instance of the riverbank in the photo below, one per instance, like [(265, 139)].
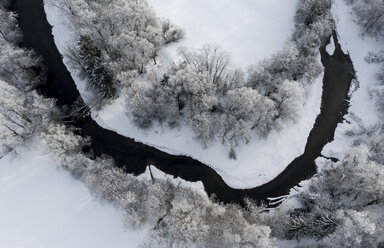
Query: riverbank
[(363, 108)]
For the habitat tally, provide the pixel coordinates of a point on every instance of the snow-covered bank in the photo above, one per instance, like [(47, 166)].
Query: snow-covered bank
[(362, 103), (43, 206), (257, 163), (251, 30), (157, 174)]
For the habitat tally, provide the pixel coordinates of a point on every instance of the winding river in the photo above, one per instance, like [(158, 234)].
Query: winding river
[(134, 157)]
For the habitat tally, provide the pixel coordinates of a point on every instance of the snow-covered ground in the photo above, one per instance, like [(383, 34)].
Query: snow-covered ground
[(152, 171), (251, 30), (43, 206), (257, 163), (358, 46)]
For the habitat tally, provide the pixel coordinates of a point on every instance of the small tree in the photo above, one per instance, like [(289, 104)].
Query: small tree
[(99, 78)]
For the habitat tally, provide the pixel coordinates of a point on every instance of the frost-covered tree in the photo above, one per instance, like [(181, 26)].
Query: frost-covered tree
[(21, 115), (370, 16), (289, 99), (8, 24), (153, 103), (171, 33), (357, 229), (313, 24), (317, 225), (18, 66), (288, 64), (215, 64), (127, 34), (189, 93), (246, 110), (355, 182), (100, 79), (194, 220), (61, 141)]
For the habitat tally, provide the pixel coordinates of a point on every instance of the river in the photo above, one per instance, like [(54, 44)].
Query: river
[(134, 156)]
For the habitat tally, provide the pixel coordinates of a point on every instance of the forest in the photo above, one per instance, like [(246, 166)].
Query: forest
[(117, 50)]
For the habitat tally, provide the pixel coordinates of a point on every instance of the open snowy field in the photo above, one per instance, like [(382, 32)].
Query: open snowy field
[(43, 206), (261, 159), (362, 103), (251, 30)]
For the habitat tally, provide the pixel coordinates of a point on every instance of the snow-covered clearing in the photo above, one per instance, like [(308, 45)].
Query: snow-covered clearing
[(43, 206), (251, 30), (261, 159), (362, 104)]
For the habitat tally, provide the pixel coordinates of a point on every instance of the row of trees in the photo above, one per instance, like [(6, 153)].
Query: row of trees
[(119, 39), (177, 216)]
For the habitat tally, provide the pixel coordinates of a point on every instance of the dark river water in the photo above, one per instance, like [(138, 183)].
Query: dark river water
[(134, 157)]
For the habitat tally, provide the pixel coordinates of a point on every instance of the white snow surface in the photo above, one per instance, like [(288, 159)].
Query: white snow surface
[(330, 48), (362, 104), (42, 206), (257, 162), (250, 30)]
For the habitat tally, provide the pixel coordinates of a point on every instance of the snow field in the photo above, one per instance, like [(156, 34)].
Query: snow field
[(250, 30), (43, 206)]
